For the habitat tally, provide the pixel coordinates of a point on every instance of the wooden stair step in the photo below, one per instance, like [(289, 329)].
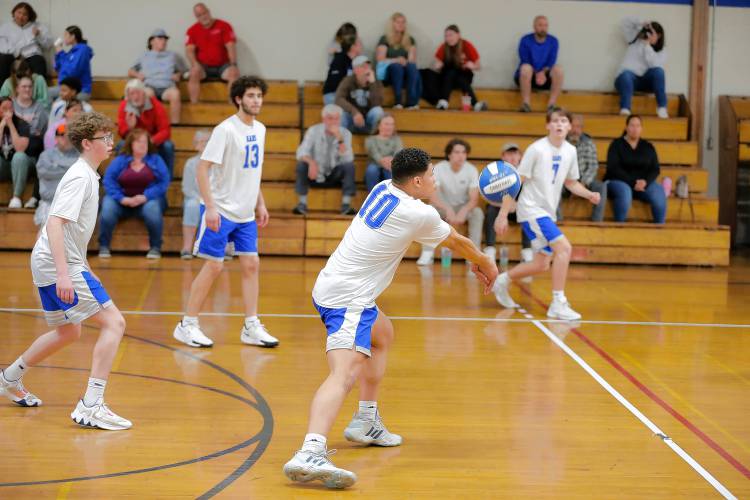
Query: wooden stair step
[(279, 91), (744, 130), (510, 100), (514, 123), (741, 106)]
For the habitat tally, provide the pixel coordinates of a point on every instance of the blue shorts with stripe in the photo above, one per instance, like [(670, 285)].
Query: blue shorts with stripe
[(542, 232), (348, 327), (89, 297), (210, 244)]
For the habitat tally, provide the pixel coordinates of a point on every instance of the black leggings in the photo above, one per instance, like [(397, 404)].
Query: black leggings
[(37, 64), (489, 228), (452, 77)]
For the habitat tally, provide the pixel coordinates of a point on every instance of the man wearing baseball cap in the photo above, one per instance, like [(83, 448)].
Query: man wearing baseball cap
[(160, 70), (360, 95)]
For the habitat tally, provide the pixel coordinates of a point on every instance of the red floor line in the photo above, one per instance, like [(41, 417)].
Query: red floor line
[(648, 392)]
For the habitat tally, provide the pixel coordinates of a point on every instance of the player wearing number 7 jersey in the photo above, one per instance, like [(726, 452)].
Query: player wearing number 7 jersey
[(546, 166), (232, 208), (359, 334)]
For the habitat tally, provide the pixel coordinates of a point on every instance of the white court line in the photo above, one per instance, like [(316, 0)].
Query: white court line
[(637, 413), (426, 318)]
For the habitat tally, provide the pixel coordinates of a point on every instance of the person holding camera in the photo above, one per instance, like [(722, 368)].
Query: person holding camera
[(642, 69)]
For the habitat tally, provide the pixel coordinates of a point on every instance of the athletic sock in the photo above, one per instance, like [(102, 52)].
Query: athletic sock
[(502, 280), (315, 443), (15, 371), (94, 391), (189, 320), (368, 410), (559, 296), (346, 199), (249, 320)]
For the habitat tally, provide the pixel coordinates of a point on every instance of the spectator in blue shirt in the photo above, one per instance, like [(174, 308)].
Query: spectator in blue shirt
[(76, 62), (538, 67)]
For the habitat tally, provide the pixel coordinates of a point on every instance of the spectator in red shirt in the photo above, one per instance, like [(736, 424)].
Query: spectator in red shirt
[(456, 60), (139, 111), (211, 50)]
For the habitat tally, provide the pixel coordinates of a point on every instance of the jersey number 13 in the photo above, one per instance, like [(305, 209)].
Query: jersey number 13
[(251, 156)]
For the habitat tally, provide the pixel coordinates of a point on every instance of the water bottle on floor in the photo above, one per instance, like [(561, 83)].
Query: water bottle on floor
[(445, 257), (504, 258)]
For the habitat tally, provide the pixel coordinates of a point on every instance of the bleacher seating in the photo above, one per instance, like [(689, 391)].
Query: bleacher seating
[(287, 115), (734, 165)]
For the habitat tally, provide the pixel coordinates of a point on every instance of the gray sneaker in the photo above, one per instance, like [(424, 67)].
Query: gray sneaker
[(104, 253), (370, 432), (154, 253)]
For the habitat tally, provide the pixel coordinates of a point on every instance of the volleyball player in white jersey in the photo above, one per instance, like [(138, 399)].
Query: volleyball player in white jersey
[(232, 209), (359, 334), (546, 166), (69, 290)]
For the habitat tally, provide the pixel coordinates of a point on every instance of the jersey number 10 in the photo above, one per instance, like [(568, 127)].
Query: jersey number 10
[(377, 208), (251, 156)]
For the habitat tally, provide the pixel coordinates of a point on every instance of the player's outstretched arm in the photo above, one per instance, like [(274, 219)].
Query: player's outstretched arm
[(579, 189), (484, 267)]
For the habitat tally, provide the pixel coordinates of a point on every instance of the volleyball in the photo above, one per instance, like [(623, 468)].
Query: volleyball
[(498, 179)]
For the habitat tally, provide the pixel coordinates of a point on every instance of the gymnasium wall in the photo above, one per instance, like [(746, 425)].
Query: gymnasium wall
[(285, 39)]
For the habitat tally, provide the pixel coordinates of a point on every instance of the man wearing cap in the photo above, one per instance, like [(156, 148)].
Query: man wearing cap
[(160, 69), (211, 49), (138, 110), (52, 165), (509, 153), (361, 97)]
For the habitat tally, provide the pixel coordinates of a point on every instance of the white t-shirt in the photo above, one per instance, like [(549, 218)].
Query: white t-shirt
[(77, 201), (454, 187), (363, 264), (546, 169), (236, 150)]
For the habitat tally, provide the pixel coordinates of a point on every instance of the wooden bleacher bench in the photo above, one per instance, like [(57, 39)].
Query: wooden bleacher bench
[(510, 100)]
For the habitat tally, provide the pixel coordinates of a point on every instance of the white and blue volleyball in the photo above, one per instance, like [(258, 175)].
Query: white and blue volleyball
[(498, 179)]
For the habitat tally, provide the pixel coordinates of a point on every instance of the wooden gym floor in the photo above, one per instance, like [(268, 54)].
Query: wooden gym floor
[(648, 397)]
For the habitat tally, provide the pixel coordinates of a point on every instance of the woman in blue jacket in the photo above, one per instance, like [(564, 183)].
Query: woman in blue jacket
[(135, 185), (75, 63)]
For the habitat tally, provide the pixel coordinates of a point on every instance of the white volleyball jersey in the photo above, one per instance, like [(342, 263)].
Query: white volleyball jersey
[(546, 168), (77, 201), (236, 150), (363, 264)]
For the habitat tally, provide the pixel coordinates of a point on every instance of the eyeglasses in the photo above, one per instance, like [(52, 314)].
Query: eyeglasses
[(108, 139)]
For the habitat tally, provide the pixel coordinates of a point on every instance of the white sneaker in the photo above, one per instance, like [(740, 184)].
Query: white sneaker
[(398, 106), (562, 310), (442, 104), (31, 203), (16, 392), (370, 432), (413, 108), (15, 202), (662, 113), (500, 288), (490, 252), (427, 258), (104, 253), (625, 111), (308, 466), (257, 335), (99, 416), (191, 335)]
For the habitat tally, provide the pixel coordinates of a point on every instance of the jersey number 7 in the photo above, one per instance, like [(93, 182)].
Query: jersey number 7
[(377, 208)]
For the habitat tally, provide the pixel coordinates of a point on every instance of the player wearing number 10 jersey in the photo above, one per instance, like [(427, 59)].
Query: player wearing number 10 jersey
[(359, 334), (232, 208)]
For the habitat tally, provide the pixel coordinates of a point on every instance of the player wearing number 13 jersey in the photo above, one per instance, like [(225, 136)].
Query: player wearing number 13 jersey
[(359, 334), (232, 208)]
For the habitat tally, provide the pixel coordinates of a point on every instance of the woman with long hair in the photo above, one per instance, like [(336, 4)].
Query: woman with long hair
[(135, 185), (642, 68), (632, 170), (75, 62), (396, 57), (456, 60)]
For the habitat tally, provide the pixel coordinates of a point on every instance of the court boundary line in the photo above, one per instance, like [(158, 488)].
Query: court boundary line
[(718, 486), (429, 318)]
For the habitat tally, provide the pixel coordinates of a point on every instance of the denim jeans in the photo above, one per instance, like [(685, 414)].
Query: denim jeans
[(341, 175), (150, 212), (622, 196), (329, 98), (397, 76), (374, 174), (652, 81), (371, 119)]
